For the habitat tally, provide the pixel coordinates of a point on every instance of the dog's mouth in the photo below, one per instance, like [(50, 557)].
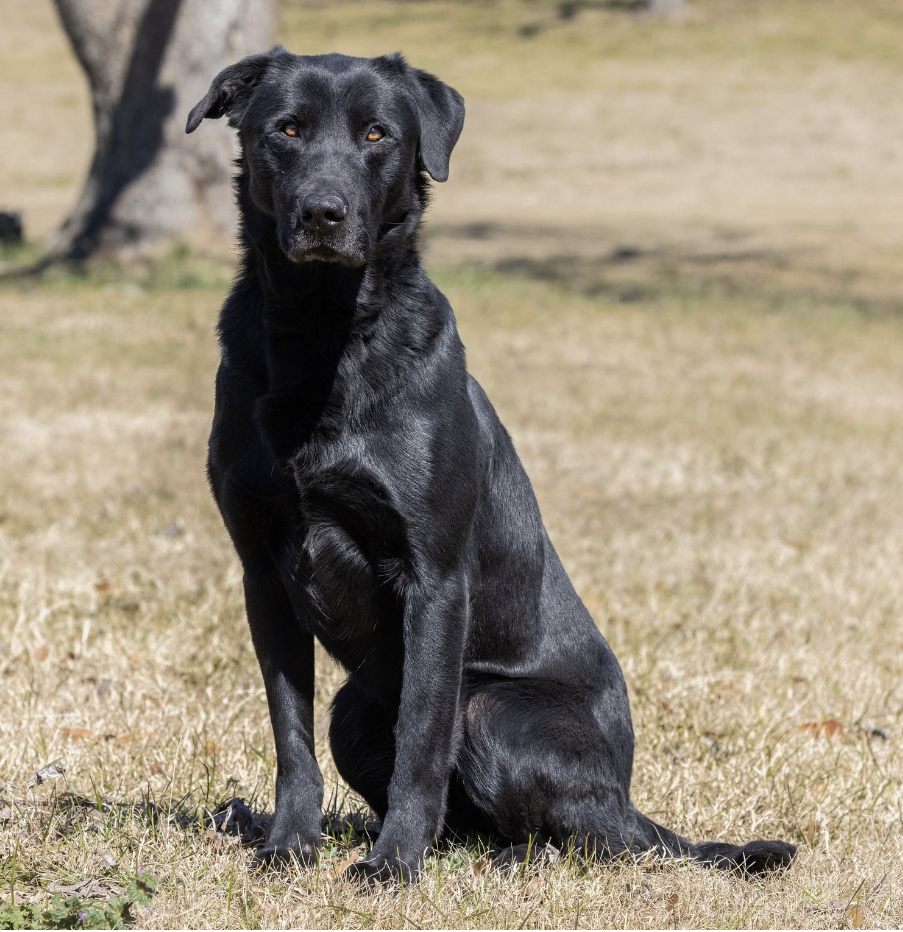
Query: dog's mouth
[(319, 254), (306, 248)]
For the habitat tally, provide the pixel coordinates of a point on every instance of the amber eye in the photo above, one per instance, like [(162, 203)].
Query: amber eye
[(290, 129), (375, 133)]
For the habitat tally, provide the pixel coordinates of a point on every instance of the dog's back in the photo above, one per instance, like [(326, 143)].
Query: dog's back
[(378, 504)]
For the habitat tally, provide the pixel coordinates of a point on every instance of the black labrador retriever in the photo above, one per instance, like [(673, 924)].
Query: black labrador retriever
[(377, 503)]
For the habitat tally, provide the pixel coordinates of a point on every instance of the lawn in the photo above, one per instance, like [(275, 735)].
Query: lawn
[(673, 249)]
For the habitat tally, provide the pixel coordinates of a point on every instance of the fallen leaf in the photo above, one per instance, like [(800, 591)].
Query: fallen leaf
[(156, 767), (103, 586), (830, 728), (41, 653), (833, 728), (534, 887), (643, 890), (346, 862), (855, 917), (50, 772), (78, 734), (673, 900), (211, 747), (126, 737), (215, 840), (478, 867)]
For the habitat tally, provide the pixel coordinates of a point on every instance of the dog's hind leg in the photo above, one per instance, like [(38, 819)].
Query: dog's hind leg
[(538, 766), (362, 737), (543, 763)]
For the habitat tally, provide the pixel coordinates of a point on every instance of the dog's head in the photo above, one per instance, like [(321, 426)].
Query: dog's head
[(335, 146)]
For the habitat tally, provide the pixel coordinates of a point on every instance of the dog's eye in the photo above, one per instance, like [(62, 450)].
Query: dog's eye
[(375, 133), (290, 129)]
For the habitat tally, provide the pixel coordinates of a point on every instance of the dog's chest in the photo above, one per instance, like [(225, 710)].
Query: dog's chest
[(332, 528)]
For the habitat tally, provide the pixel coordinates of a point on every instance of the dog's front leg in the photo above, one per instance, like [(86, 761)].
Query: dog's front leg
[(434, 636), (286, 655)]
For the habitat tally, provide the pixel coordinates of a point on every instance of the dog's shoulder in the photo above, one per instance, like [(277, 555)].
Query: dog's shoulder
[(240, 330)]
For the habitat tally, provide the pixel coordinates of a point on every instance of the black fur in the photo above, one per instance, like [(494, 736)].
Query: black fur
[(377, 503)]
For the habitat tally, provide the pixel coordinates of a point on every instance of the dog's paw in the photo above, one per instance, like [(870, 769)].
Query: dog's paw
[(761, 857), (376, 872), (755, 857), (273, 855)]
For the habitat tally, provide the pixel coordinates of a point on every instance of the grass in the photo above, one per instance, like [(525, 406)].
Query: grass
[(698, 356)]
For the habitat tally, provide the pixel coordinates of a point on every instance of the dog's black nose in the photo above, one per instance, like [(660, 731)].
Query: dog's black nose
[(322, 211)]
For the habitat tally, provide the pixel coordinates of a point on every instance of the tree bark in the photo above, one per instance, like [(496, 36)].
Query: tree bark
[(148, 62)]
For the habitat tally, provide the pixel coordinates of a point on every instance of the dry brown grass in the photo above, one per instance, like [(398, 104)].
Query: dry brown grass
[(713, 420)]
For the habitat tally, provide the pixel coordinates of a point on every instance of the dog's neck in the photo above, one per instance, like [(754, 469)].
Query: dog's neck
[(327, 299), (328, 328)]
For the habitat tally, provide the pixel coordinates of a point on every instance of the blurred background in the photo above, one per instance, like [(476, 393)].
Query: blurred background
[(672, 236), (606, 139)]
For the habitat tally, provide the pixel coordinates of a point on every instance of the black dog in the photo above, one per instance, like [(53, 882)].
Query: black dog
[(377, 503)]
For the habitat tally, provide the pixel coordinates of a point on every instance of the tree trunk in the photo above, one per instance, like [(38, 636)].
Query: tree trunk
[(148, 62)]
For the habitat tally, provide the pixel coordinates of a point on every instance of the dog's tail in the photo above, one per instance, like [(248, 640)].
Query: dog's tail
[(755, 857)]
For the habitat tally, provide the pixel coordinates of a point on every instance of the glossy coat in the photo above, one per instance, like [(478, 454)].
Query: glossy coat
[(378, 505)]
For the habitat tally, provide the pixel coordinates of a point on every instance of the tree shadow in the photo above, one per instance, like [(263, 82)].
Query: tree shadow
[(569, 10), (597, 265)]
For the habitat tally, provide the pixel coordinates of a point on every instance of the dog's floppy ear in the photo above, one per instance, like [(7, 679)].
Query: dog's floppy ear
[(441, 121), (441, 111), (231, 89)]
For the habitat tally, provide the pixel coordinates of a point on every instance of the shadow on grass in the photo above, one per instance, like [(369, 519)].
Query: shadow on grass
[(237, 825), (178, 268), (595, 265)]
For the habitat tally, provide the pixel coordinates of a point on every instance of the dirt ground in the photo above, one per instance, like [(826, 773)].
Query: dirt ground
[(674, 251)]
